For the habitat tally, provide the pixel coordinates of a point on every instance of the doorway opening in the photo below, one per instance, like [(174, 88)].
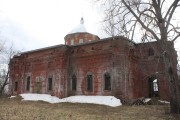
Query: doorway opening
[(153, 87)]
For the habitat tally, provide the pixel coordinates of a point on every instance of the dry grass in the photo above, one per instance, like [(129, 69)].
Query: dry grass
[(15, 109)]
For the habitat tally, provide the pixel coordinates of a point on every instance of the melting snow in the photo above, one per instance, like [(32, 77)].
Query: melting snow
[(102, 100), (12, 97), (43, 97), (147, 100), (164, 101)]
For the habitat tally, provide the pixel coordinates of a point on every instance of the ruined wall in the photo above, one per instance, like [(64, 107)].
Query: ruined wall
[(129, 67), (151, 63), (124, 69), (39, 66), (106, 56), (93, 59)]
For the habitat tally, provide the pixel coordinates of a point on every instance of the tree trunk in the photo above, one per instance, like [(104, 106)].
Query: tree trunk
[(171, 74), (4, 84)]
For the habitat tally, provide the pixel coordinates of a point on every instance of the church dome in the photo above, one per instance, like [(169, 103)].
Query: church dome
[(79, 35), (80, 28)]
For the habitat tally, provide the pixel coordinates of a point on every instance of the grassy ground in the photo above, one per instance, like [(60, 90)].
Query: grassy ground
[(15, 109)]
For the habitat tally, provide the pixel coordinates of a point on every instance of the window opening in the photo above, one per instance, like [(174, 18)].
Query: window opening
[(49, 84), (89, 83), (16, 86), (107, 82), (28, 84), (74, 82)]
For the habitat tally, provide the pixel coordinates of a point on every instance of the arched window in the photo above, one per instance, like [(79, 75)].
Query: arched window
[(107, 81), (50, 84), (28, 83), (89, 83), (74, 82), (150, 52)]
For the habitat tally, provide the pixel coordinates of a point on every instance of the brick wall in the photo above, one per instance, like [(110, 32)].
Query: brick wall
[(77, 37), (129, 65)]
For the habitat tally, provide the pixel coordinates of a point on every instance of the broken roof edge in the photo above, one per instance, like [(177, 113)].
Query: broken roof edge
[(40, 49), (117, 37), (104, 39), (60, 45)]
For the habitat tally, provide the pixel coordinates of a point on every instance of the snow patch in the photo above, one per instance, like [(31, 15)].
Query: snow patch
[(43, 97), (12, 97), (147, 100), (102, 100), (164, 101)]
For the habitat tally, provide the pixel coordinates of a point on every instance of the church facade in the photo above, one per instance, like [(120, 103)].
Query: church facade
[(88, 65)]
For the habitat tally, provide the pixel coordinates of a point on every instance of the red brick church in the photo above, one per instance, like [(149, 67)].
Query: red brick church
[(88, 65)]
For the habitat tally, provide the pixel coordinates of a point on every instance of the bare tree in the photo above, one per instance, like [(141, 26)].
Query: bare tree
[(6, 54), (3, 80), (147, 20)]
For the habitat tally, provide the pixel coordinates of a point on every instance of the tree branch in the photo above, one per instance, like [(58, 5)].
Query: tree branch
[(138, 19)]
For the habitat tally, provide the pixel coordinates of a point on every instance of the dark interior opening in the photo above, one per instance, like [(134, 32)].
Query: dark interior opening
[(49, 84), (28, 84), (74, 82), (89, 83), (107, 82)]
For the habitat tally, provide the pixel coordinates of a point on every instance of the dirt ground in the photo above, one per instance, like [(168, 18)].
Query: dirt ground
[(15, 109)]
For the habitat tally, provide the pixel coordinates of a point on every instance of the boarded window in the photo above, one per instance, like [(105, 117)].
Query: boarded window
[(89, 83), (74, 82), (150, 52), (16, 86), (28, 84), (50, 84), (107, 81)]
